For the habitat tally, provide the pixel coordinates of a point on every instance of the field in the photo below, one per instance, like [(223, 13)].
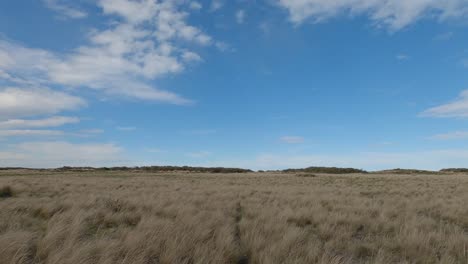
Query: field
[(179, 217)]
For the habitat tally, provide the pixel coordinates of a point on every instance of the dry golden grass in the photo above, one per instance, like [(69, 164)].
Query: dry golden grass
[(125, 217)]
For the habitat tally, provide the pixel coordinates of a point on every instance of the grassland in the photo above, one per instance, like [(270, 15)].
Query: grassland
[(179, 217)]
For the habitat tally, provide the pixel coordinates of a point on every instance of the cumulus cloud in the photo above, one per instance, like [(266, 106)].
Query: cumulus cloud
[(17, 102), (456, 108), (292, 139), (46, 154), (148, 40), (393, 14)]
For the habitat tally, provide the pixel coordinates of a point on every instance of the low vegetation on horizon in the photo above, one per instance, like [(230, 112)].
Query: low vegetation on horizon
[(190, 169), (127, 217)]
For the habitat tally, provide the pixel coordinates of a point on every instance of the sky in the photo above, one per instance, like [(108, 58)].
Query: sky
[(259, 84)]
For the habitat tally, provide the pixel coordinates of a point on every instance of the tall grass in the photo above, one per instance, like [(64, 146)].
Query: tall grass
[(125, 217)]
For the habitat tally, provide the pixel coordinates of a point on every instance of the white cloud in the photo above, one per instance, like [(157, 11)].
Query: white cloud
[(240, 16), (59, 153), (16, 102), (292, 139), (189, 56), (451, 136), (195, 5), (53, 121), (147, 40), (27, 132), (63, 7), (457, 108), (393, 14)]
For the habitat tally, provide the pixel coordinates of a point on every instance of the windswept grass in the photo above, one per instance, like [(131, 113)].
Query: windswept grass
[(124, 217)]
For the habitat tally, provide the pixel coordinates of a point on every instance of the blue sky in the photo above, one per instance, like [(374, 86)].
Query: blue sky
[(263, 84)]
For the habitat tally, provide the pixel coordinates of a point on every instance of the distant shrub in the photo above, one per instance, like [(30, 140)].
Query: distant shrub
[(460, 170), (159, 169), (407, 171), (6, 192), (306, 175), (329, 170)]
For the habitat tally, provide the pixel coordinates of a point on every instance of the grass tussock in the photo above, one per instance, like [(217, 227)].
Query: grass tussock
[(143, 218), (6, 192)]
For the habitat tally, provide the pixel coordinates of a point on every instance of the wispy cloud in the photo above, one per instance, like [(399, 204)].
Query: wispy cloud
[(292, 139), (240, 16), (216, 4), (393, 14), (195, 5), (4, 133), (54, 121), (224, 47), (155, 150), (91, 131), (64, 8), (200, 132), (20, 102), (126, 128), (451, 135), (45, 154), (28, 132), (402, 57), (444, 36), (86, 133), (198, 155), (456, 108)]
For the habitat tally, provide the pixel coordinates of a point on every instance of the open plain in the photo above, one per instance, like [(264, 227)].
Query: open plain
[(179, 217)]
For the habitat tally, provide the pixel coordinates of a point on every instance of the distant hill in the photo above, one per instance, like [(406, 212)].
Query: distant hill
[(328, 170)]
